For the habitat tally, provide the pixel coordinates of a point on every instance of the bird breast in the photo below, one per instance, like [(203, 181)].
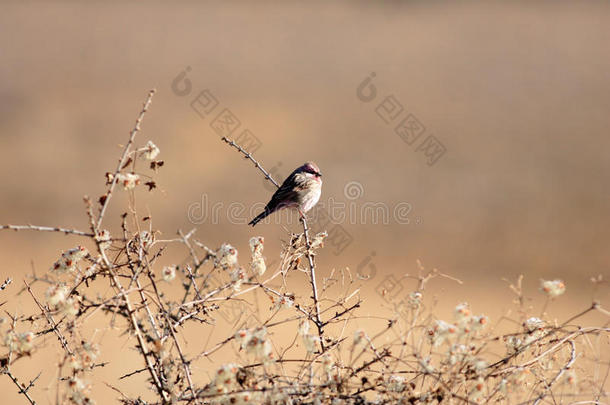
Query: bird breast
[(311, 195)]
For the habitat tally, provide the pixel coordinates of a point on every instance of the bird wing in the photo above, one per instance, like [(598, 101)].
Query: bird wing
[(288, 193)]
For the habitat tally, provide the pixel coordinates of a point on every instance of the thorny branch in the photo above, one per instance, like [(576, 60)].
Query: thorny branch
[(123, 159), (45, 229), (22, 389), (310, 259), (413, 357)]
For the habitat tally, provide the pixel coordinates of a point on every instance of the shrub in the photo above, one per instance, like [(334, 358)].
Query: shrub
[(413, 358)]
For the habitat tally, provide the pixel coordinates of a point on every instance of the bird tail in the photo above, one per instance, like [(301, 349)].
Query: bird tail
[(260, 217)]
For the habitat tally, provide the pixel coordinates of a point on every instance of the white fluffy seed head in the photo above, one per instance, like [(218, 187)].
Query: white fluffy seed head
[(227, 255), (552, 288), (150, 151)]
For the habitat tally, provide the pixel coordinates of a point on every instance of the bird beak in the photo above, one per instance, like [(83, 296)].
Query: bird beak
[(319, 174)]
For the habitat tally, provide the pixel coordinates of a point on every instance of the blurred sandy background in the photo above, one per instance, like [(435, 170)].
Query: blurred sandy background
[(517, 93)]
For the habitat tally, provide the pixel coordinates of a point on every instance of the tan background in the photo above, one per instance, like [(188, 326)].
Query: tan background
[(518, 94)]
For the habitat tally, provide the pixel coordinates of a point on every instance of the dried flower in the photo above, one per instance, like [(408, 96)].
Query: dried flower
[(310, 342), (89, 353), (440, 332), (19, 342), (146, 238), (513, 345), (128, 180), (303, 327), (360, 337), (56, 294), (479, 365), (328, 363), (258, 265), (255, 342), (552, 288), (256, 244), (318, 240), (458, 353), (150, 151), (478, 322), (79, 391), (242, 336), (103, 238), (69, 259), (283, 302), (70, 307), (225, 379), (237, 277), (533, 324), (169, 273), (462, 313), (227, 255), (74, 363), (396, 383)]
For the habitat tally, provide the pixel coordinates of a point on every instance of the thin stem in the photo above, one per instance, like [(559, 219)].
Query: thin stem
[(249, 156), (50, 321), (130, 310), (46, 229), (312, 271), (123, 158), (561, 372), (312, 267), (22, 390)]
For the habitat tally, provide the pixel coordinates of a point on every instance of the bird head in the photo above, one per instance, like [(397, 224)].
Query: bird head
[(310, 169)]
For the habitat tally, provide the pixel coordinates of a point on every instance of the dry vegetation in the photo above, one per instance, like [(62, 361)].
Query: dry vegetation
[(413, 358)]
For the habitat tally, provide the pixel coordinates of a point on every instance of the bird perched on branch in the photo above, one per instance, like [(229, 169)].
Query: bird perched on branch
[(301, 191)]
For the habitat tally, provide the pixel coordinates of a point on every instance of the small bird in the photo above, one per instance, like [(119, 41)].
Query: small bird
[(300, 190)]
